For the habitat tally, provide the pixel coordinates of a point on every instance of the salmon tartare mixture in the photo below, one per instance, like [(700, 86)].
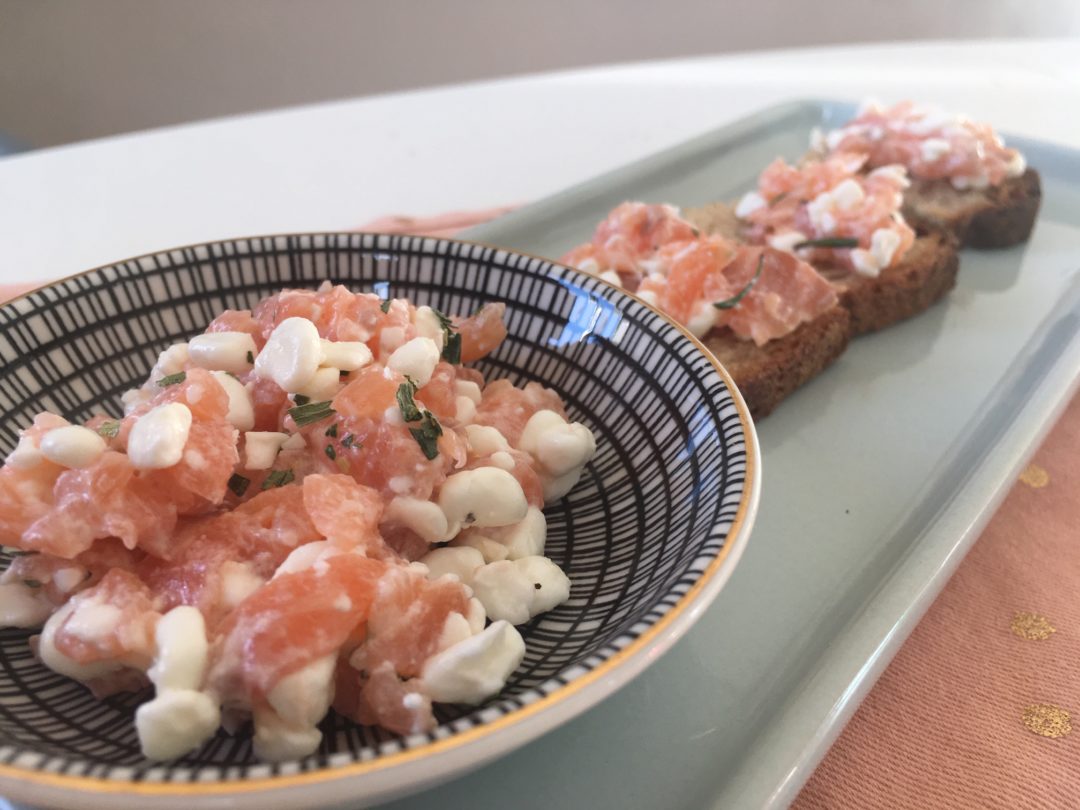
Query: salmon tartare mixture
[(312, 504), (828, 211), (928, 142), (705, 282)]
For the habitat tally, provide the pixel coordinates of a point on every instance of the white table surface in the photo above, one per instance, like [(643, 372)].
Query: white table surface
[(335, 166)]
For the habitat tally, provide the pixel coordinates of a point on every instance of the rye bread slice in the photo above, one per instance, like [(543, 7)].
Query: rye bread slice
[(927, 272), (995, 217), (767, 374)]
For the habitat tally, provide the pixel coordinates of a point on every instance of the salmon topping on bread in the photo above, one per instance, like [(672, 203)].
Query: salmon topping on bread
[(827, 211), (931, 144), (704, 282)]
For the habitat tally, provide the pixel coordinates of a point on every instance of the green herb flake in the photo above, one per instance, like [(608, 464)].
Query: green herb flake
[(405, 401), (238, 485), (778, 198), (172, 379), (348, 440), (110, 429), (250, 358), (385, 306), (344, 374), (330, 454), (427, 435), (734, 302), (444, 321), (300, 399), (828, 242), (278, 478), (311, 412), (451, 352), (332, 430), (32, 583)]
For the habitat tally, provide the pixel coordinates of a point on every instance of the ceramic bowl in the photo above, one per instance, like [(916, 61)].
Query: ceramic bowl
[(647, 538)]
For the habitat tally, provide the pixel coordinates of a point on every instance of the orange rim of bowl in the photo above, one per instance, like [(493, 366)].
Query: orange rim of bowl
[(330, 774)]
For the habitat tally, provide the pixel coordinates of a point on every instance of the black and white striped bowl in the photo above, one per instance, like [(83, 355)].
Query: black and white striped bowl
[(648, 537)]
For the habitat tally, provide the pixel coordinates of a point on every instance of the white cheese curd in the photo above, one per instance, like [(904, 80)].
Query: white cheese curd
[(464, 409), (467, 388), (787, 240), (291, 355), (261, 448), (484, 440), (847, 194), (416, 360), (238, 582), (550, 585), (648, 296), (175, 722), (241, 413), (895, 173), (23, 606), (456, 628), (834, 137), (817, 140), (487, 496), (883, 245), (818, 212), (276, 741), (865, 263), (428, 325), (94, 621), (750, 202), (58, 662), (503, 460), (171, 361), (477, 616), (295, 442), (561, 448), (133, 398), (26, 454), (323, 385), (611, 277), (526, 538), (223, 351), (703, 319), (424, 518), (72, 446), (306, 556), (158, 437), (1016, 166), (504, 590), (459, 561), (474, 668), (934, 148), (182, 649), (390, 339), (343, 603), (345, 355), (491, 550), (68, 579), (588, 264), (302, 698)]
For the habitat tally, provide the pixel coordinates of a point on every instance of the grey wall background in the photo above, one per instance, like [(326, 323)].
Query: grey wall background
[(75, 69)]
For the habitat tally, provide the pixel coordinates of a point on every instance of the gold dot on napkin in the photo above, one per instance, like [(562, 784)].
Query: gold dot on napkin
[(1046, 720), (1031, 626), (1035, 476)]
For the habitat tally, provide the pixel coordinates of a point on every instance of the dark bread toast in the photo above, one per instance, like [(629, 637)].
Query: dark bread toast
[(767, 374), (994, 217), (927, 272)]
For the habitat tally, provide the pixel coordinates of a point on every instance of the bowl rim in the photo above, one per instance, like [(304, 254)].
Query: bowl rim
[(568, 701)]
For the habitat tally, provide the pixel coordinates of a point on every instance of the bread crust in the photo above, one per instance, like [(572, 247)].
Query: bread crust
[(767, 374), (995, 217)]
